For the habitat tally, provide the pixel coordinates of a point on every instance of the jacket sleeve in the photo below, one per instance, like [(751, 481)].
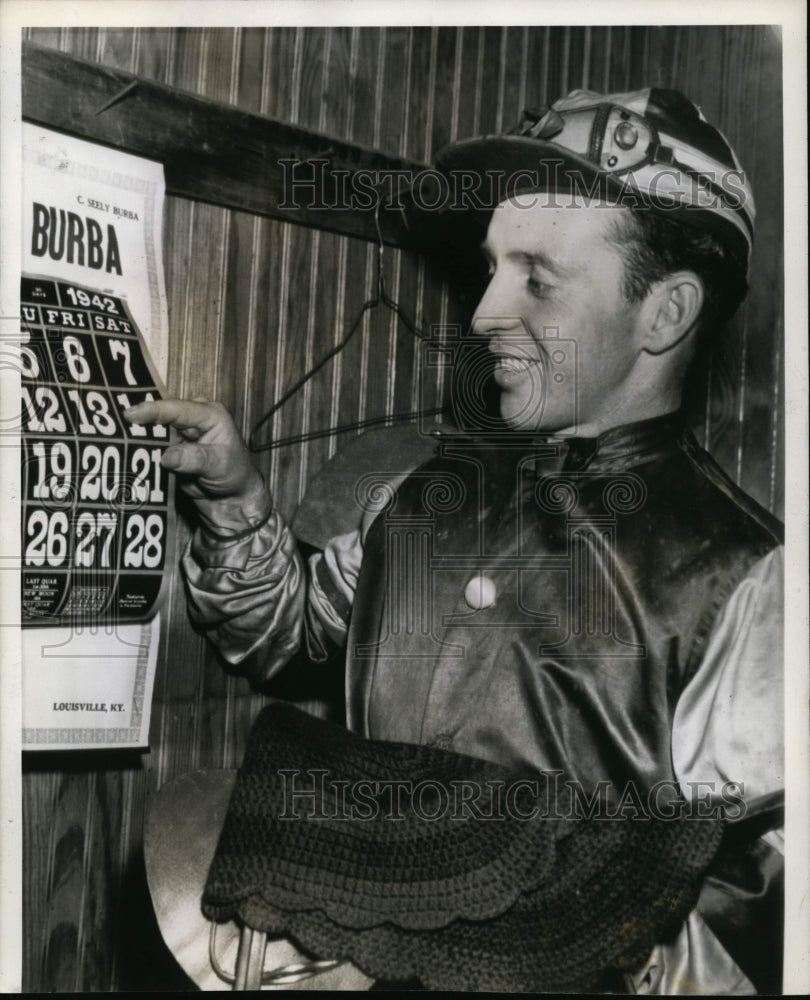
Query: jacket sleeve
[(729, 720), (728, 728), (258, 603)]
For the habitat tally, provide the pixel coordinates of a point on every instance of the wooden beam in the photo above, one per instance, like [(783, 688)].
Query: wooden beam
[(217, 153)]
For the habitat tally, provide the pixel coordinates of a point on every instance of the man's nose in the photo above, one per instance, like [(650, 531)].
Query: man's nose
[(494, 314)]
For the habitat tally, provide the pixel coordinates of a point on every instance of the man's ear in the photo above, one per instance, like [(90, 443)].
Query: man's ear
[(671, 311)]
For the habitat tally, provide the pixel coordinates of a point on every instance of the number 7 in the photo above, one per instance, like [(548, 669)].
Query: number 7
[(120, 349), (106, 522)]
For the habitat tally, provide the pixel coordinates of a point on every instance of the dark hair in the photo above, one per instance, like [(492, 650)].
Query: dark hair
[(654, 246)]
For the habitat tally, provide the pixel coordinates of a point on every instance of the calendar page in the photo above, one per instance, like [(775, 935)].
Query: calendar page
[(95, 498), (96, 507)]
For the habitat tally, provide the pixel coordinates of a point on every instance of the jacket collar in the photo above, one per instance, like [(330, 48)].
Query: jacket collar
[(614, 450)]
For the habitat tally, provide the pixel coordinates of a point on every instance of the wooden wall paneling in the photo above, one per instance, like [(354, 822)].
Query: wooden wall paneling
[(66, 882), (534, 94), (477, 39), (710, 79), (54, 38), (491, 75), (739, 51), (245, 313), (270, 267), (252, 69), (467, 61), (341, 76), (558, 64), (217, 690), (619, 74), (639, 57), (180, 650), (116, 47), (126, 851), (281, 96), (662, 46), (247, 293), (373, 362), (405, 290), (436, 59), (82, 42), (599, 58), (230, 704), (268, 351), (358, 266), (233, 704), (154, 52), (631, 71), (401, 276), (287, 365), (202, 334), (722, 387), (760, 133), (392, 110), (578, 70), (243, 297), (199, 324), (326, 327), (404, 396), (507, 59), (212, 738), (140, 960), (102, 877), (259, 263), (441, 126), (320, 107), (587, 43), (524, 74), (293, 257), (403, 391), (176, 683), (430, 101), (38, 801), (301, 276), (187, 62), (311, 53)]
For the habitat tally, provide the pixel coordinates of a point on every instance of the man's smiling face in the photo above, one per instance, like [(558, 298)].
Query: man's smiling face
[(556, 276)]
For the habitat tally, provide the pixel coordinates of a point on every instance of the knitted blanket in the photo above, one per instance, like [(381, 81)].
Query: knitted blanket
[(418, 863)]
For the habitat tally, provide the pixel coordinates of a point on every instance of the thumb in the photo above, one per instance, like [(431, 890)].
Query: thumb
[(188, 459)]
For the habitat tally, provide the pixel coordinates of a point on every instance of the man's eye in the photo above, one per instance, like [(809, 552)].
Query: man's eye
[(537, 288)]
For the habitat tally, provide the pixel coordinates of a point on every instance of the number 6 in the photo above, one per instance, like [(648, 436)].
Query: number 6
[(76, 361)]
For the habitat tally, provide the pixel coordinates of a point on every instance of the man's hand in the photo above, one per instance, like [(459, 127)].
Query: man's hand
[(212, 461)]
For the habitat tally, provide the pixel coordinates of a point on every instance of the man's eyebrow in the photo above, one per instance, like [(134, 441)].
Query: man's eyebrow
[(543, 259), (530, 257)]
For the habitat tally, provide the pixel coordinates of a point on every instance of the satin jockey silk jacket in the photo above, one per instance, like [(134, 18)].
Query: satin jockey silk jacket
[(608, 610)]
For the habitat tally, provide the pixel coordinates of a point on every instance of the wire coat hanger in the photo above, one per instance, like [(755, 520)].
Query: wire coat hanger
[(380, 298)]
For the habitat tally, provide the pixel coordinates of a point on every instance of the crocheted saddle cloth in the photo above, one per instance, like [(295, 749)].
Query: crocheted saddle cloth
[(415, 862)]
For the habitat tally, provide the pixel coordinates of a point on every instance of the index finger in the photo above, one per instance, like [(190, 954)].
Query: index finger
[(180, 413)]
